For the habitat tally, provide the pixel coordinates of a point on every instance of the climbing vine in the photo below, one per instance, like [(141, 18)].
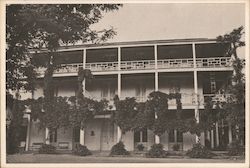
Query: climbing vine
[(152, 114)]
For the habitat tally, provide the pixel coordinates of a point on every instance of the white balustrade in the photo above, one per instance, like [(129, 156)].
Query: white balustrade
[(219, 97), (68, 68), (102, 66), (144, 64), (136, 65), (213, 62), (175, 63)]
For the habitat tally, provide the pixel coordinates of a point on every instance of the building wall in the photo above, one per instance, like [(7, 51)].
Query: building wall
[(65, 135), (129, 85), (128, 140), (164, 140), (100, 134), (37, 135), (38, 92), (188, 140)]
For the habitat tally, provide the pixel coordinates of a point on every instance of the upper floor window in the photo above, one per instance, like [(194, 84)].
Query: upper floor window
[(140, 92)]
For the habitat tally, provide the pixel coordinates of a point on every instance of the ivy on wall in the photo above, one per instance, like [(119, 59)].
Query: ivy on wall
[(131, 115)]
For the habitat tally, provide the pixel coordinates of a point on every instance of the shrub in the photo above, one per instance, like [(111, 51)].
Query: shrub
[(140, 147), (156, 151), (235, 148), (82, 150), (176, 147), (118, 149), (199, 151), (47, 149)]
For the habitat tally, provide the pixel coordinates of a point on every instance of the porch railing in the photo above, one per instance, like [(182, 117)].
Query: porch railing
[(213, 62), (134, 65), (102, 66), (144, 65), (175, 63), (219, 97)]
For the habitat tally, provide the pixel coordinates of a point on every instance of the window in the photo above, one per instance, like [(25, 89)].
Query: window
[(144, 135), (179, 136), (175, 136), (76, 134), (53, 136), (104, 93), (171, 136), (141, 136), (108, 91), (174, 87), (140, 92)]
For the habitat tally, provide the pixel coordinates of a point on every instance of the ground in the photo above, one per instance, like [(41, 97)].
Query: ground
[(69, 158)]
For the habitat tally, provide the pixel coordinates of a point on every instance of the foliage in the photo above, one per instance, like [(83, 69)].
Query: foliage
[(235, 105), (37, 26), (14, 129), (199, 151), (82, 150), (235, 148), (233, 109), (47, 149), (130, 115), (47, 26), (157, 151), (19, 69), (118, 149), (140, 147), (234, 39), (125, 113), (176, 147)]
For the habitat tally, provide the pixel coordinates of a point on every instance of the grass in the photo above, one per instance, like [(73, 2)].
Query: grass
[(68, 158)]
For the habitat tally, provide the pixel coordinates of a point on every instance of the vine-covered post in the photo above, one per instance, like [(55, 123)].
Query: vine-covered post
[(83, 82), (196, 91), (47, 141), (157, 137), (119, 131)]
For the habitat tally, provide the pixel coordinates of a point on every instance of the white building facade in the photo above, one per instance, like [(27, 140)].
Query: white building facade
[(196, 68)]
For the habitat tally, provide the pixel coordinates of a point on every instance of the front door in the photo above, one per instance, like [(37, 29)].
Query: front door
[(107, 135)]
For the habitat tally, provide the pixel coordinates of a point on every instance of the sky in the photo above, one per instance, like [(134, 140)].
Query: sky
[(135, 22), (161, 21)]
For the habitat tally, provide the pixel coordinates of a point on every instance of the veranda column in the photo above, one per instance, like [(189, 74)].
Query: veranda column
[(217, 134), (212, 139), (28, 112), (157, 138), (119, 132), (47, 136), (82, 133), (230, 136), (28, 133), (196, 110)]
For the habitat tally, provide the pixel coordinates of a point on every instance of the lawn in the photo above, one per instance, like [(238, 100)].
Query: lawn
[(69, 158)]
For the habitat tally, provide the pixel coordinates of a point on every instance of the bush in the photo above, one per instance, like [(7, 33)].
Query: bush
[(199, 151), (235, 149), (47, 149), (118, 149), (82, 150), (157, 151), (140, 147), (176, 147)]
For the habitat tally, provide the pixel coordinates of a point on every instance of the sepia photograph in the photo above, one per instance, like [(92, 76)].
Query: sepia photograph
[(128, 84)]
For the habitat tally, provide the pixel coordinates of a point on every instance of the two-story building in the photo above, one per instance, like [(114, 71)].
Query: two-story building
[(196, 68)]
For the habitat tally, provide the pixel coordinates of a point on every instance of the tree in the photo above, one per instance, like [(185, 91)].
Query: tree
[(39, 26), (232, 109), (49, 26), (235, 105)]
